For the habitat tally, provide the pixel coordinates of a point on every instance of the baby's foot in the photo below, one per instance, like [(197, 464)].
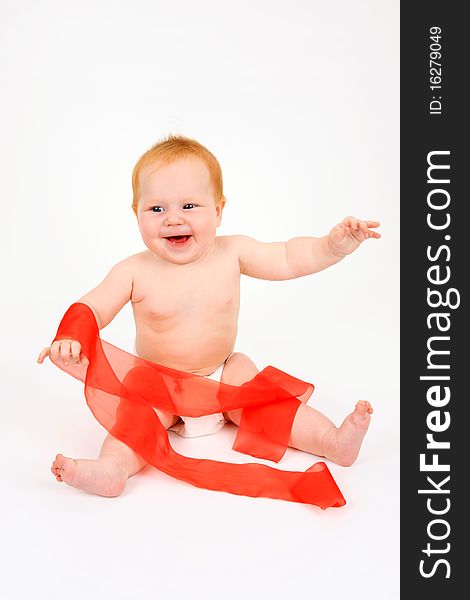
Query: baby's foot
[(342, 444), (105, 478)]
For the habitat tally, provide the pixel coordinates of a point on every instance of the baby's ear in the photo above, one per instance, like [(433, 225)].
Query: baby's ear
[(219, 207)]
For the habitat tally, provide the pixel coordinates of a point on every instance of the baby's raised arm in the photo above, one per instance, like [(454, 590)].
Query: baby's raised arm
[(300, 256), (105, 300)]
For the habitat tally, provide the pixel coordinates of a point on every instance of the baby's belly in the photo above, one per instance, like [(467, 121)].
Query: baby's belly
[(191, 351)]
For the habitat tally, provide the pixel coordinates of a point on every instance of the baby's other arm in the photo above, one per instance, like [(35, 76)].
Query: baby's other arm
[(301, 256), (105, 300), (112, 294)]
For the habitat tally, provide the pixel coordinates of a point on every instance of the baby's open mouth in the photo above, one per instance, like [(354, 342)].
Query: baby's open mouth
[(178, 240)]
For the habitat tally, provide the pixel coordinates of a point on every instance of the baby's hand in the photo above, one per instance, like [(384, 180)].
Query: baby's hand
[(68, 351), (349, 234)]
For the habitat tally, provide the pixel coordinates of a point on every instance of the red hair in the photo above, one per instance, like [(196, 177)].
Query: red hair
[(171, 149)]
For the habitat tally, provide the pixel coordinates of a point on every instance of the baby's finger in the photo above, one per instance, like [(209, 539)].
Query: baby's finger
[(347, 221), (373, 224), (84, 360), (75, 349), (65, 351), (352, 222), (55, 348), (42, 355), (363, 226), (372, 234)]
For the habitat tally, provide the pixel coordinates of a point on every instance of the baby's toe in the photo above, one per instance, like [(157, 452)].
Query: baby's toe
[(63, 468), (363, 407), (55, 470)]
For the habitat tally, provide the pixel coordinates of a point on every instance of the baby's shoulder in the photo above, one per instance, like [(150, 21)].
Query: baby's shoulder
[(133, 264), (232, 243), (230, 247)]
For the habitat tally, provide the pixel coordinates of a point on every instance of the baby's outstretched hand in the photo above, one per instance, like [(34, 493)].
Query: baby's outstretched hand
[(349, 234), (67, 351)]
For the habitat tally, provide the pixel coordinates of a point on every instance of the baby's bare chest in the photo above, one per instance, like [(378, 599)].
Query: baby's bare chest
[(165, 294)]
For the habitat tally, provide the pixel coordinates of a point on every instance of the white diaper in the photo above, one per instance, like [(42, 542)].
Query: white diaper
[(197, 426)]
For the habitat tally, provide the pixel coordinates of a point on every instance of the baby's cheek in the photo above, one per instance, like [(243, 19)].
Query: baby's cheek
[(148, 231)]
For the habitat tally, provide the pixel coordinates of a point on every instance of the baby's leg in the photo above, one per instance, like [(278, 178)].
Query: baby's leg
[(311, 430), (315, 433), (107, 475)]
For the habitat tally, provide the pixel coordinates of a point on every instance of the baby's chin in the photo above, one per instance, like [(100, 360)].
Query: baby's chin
[(176, 254)]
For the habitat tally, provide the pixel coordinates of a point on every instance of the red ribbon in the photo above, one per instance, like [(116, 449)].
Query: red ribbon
[(121, 391)]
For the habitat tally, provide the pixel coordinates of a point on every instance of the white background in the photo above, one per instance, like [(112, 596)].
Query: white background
[(299, 102)]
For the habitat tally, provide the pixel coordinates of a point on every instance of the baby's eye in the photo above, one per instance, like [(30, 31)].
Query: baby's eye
[(156, 209), (188, 206)]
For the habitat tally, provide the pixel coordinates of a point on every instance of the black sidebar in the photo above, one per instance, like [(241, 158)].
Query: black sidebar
[(435, 257)]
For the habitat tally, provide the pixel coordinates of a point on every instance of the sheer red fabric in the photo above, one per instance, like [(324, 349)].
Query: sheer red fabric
[(121, 391)]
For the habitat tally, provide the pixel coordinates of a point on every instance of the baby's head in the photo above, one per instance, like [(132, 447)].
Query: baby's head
[(178, 199)]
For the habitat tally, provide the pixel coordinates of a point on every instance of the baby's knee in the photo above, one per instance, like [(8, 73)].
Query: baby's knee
[(138, 377), (240, 360), (238, 369)]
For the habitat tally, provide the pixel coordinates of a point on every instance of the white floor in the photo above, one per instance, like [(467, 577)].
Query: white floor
[(165, 538), (304, 118)]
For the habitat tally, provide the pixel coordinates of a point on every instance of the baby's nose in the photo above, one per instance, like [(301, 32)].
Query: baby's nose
[(174, 218)]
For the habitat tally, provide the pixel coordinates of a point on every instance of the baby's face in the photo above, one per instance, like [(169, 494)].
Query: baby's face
[(177, 214)]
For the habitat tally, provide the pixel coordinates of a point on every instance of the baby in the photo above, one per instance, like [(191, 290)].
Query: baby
[(184, 290)]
